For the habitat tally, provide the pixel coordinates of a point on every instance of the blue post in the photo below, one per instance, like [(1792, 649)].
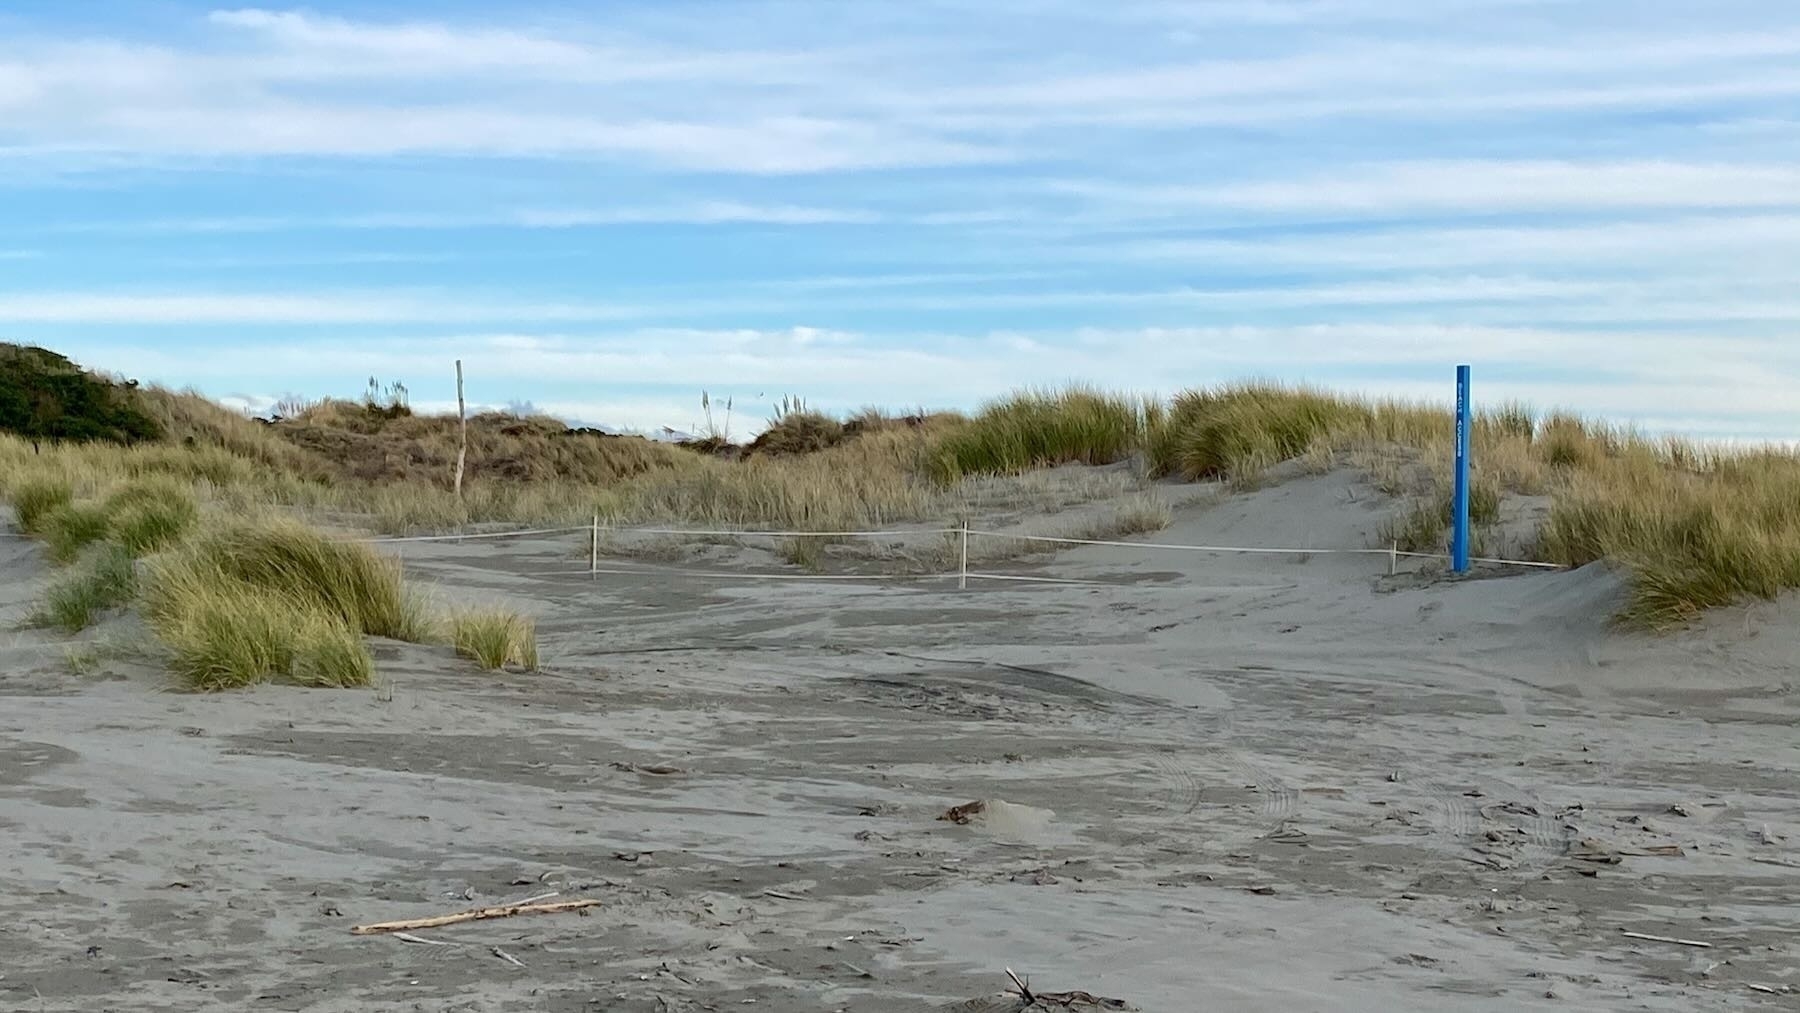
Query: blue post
[(1459, 507)]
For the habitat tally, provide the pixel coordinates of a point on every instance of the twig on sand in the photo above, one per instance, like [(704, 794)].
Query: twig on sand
[(478, 914), (509, 958), (1666, 939), (408, 937), (1021, 989), (781, 895)]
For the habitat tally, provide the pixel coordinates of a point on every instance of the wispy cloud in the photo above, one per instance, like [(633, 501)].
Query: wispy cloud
[(1482, 187), (701, 213)]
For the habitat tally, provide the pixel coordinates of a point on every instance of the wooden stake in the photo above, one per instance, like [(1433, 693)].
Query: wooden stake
[(476, 915), (594, 550), (962, 579), (462, 416)]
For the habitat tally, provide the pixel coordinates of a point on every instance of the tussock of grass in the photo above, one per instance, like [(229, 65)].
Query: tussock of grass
[(496, 639), (798, 431), (70, 528), (352, 582), (36, 498), (1695, 538), (263, 600), (1041, 429), (1237, 432), (106, 578), (150, 514), (224, 635)]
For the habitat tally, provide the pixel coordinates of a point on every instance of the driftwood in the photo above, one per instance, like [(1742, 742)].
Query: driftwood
[(476, 915), (1665, 939)]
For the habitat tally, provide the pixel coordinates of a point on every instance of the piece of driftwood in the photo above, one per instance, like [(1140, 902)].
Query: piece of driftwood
[(475, 915), (1666, 939)]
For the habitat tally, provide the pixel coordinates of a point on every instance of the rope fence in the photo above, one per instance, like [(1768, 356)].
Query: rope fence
[(963, 534)]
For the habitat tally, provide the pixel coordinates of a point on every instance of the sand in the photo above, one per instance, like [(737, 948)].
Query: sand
[(1271, 784)]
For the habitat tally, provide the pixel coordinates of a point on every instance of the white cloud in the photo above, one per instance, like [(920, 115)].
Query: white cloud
[(699, 213), (1736, 243), (1476, 299), (279, 308), (1483, 187)]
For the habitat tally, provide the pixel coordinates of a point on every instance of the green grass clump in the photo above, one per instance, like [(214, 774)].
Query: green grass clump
[(35, 499), (262, 600), (223, 635), (496, 639), (105, 579), (150, 514), (362, 588), (1039, 429), (1236, 432), (70, 528)]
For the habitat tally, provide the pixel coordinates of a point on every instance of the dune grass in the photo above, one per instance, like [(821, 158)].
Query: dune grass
[(1698, 531), (796, 429), (496, 639), (150, 513), (362, 588), (105, 578), (224, 635), (141, 514), (1037, 429), (1238, 431), (36, 498), (70, 528), (270, 599)]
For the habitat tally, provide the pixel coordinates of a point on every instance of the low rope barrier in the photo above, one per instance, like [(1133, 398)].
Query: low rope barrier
[(472, 537), (1255, 550), (903, 532)]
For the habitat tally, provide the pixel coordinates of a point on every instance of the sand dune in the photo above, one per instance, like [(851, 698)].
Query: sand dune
[(1278, 783)]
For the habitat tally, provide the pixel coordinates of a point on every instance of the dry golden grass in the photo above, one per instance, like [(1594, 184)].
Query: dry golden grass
[(496, 639)]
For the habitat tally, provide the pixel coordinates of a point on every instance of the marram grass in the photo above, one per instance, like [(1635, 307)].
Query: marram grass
[(496, 639)]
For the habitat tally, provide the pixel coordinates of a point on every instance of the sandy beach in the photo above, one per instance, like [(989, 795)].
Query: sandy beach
[(1213, 782)]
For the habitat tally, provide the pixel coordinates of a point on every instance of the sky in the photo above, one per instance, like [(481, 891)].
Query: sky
[(606, 208)]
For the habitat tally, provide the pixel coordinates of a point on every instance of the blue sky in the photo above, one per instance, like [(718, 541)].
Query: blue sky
[(605, 208)]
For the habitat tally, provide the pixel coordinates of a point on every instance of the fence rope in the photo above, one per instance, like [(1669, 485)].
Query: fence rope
[(1275, 551), (893, 533), (472, 537)]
